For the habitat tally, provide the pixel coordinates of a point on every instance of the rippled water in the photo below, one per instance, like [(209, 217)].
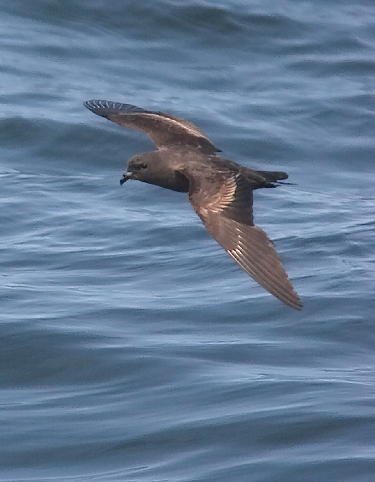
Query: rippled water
[(131, 346)]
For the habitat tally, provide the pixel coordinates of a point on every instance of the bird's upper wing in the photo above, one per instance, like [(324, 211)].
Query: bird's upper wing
[(164, 129), (224, 203)]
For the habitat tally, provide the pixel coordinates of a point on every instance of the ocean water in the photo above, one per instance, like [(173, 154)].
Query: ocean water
[(132, 348)]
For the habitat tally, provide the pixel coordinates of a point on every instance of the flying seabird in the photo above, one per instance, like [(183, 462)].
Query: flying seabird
[(220, 191)]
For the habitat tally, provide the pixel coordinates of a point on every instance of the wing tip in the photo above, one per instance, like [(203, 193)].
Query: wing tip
[(104, 107), (98, 106), (286, 294), (295, 303), (90, 104)]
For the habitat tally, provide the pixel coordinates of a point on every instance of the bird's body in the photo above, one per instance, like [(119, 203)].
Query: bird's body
[(220, 190)]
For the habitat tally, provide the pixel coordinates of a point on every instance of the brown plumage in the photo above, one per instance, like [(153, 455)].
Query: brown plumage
[(220, 191)]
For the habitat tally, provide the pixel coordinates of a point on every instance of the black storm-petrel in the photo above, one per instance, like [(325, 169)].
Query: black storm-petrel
[(220, 191)]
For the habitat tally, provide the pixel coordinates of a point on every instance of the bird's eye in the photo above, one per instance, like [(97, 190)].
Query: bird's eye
[(143, 166)]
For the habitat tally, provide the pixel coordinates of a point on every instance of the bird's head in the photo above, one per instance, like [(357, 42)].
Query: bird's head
[(153, 168), (140, 168)]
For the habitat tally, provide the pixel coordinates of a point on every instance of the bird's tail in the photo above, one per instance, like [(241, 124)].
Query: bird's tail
[(273, 176)]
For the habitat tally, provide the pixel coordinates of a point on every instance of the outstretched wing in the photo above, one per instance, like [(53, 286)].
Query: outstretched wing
[(225, 207), (164, 129)]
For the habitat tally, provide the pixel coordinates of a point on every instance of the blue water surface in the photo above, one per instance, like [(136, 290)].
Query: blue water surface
[(132, 348)]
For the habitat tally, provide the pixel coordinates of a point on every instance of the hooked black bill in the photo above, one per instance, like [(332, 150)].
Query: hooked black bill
[(124, 178)]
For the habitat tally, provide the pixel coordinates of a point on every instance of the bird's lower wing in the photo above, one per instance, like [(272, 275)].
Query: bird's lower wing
[(225, 208), (256, 254), (253, 250)]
